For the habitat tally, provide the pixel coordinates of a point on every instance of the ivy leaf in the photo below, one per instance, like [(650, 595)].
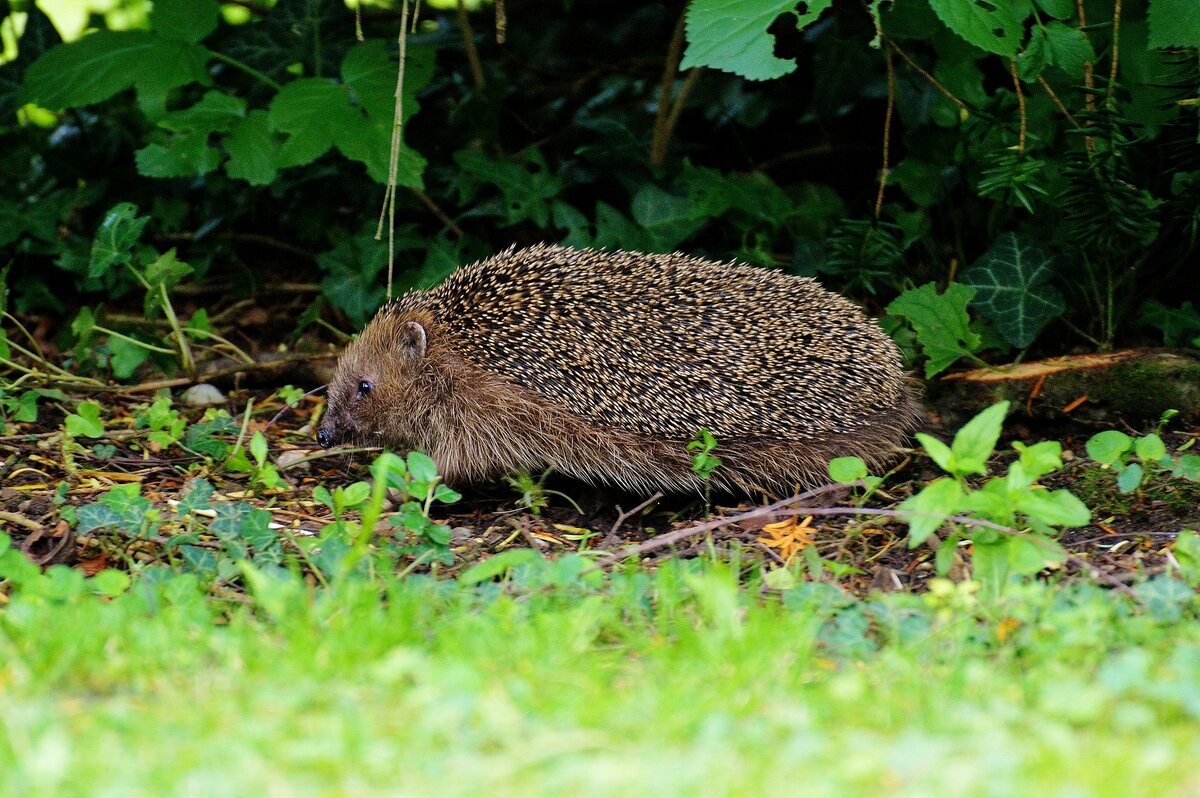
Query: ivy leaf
[(670, 219), (188, 20), (85, 421), (994, 27), (940, 321), (1174, 23), (731, 35), (166, 271), (113, 245), (1013, 291)]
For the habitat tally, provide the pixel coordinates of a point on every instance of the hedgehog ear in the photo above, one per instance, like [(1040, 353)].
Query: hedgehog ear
[(413, 340)]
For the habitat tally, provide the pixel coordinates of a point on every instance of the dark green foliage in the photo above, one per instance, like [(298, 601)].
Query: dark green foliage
[(258, 150)]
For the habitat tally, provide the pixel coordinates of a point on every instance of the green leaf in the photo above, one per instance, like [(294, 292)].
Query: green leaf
[(421, 467), (183, 155), (94, 68), (731, 35), (445, 494), (1056, 508), (354, 495), (847, 469), (670, 219), (307, 109), (995, 27), (1129, 477), (936, 500), (1174, 23), (258, 448), (1060, 9), (1178, 325), (975, 442), (1068, 49), (1028, 554), (939, 452), (215, 112), (1012, 288), (115, 239), (1109, 447), (110, 582), (1150, 448), (189, 20), (165, 272), (1187, 466), (1041, 458), (126, 356), (499, 564), (252, 150), (1187, 554), (990, 565), (199, 491), (940, 321), (85, 421)]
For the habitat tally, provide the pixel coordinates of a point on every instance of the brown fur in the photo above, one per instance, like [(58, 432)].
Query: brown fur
[(433, 390)]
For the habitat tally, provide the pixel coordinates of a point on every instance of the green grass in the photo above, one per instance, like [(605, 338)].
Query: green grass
[(684, 682)]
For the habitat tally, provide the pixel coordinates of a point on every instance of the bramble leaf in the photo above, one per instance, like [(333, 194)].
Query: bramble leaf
[(940, 321), (994, 27), (731, 35)]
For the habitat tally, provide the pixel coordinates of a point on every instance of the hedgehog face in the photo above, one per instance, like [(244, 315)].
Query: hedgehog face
[(372, 398)]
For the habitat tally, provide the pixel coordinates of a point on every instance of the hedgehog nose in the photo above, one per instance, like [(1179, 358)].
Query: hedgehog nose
[(324, 437)]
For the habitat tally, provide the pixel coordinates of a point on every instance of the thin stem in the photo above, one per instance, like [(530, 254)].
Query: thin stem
[(185, 352), (658, 147), (887, 129), (1012, 62), (468, 34), (134, 341), (249, 70)]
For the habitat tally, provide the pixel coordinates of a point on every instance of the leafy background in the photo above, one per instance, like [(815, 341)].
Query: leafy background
[(1042, 170)]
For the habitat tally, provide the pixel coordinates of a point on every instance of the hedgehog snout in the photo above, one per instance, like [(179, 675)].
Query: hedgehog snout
[(324, 436)]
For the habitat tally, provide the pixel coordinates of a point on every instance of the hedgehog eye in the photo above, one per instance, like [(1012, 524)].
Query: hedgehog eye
[(364, 389)]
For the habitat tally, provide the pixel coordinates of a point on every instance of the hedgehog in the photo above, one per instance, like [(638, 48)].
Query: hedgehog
[(603, 365)]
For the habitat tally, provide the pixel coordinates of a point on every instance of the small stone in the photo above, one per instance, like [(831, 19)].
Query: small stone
[(203, 395), (289, 456)]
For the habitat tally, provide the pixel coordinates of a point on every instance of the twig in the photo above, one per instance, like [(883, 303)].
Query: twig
[(622, 516), (464, 27), (658, 147), (1116, 49), (928, 78), (501, 22), (1100, 576), (1012, 63), (437, 211), (668, 538), (20, 520), (887, 128), (1057, 102)]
